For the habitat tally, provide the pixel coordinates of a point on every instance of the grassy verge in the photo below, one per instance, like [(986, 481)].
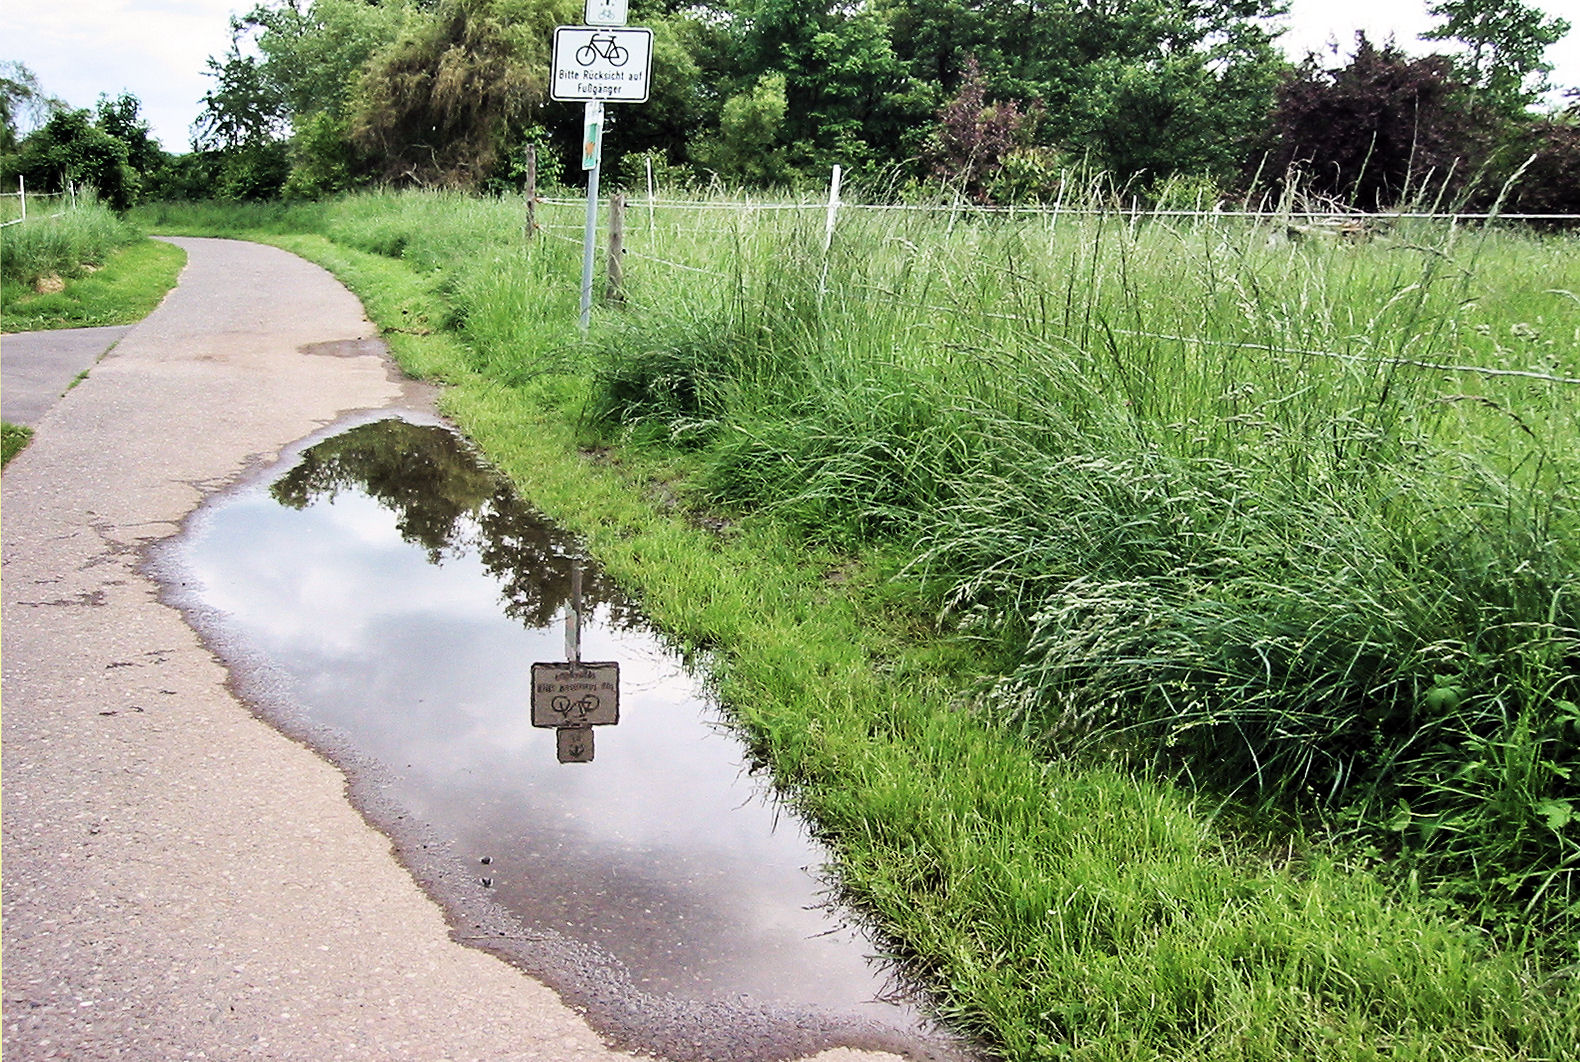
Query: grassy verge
[(13, 437), (124, 289), (1059, 904)]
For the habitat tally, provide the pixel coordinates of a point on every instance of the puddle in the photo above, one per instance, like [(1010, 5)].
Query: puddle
[(385, 598)]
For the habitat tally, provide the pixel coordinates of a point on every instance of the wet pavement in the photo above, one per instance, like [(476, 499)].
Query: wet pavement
[(384, 595)]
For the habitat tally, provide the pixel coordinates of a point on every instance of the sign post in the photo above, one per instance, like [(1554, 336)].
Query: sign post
[(604, 62), (592, 156)]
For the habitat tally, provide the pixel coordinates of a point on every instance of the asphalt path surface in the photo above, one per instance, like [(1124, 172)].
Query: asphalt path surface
[(36, 368), (180, 880)]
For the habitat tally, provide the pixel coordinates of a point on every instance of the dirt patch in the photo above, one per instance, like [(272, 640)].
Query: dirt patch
[(49, 285)]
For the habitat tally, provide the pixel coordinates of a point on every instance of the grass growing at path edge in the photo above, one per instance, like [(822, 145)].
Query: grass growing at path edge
[(13, 437), (126, 288), (1058, 912)]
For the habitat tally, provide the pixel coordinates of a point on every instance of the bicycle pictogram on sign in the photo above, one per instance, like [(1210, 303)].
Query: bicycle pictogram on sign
[(602, 47)]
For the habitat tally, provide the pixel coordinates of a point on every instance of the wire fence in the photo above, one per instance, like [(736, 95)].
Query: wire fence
[(1332, 221), (22, 197)]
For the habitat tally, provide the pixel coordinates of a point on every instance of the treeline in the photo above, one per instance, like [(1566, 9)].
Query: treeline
[(1000, 99)]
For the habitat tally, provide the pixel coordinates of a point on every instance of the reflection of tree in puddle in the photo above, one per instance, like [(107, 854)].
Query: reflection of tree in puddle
[(447, 501)]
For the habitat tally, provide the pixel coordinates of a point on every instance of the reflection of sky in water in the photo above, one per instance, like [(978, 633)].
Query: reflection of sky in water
[(662, 852)]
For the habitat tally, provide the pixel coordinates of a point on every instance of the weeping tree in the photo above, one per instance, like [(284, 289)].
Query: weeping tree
[(437, 107)]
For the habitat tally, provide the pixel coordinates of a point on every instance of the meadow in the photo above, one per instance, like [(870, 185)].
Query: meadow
[(1173, 622)]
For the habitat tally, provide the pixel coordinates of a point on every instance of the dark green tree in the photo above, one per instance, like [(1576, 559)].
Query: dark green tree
[(70, 151), (1143, 88), (1505, 42), (121, 117), (848, 98)]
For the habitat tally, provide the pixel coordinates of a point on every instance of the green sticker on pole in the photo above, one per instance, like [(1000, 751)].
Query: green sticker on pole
[(592, 135)]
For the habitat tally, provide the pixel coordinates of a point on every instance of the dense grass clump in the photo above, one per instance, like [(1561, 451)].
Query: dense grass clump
[(82, 237), (1296, 521)]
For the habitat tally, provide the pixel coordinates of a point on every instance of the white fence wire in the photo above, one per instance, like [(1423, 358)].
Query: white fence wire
[(1336, 220), (23, 196)]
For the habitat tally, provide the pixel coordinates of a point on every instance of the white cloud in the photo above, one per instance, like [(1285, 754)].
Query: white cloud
[(155, 49)]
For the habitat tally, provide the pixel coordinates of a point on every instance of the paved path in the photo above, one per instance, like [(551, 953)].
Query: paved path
[(179, 880), (38, 367)]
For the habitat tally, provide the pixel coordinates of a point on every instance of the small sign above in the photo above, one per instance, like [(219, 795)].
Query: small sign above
[(601, 63), (607, 12), (575, 694)]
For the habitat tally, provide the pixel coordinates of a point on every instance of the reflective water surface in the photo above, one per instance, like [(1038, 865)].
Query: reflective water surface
[(388, 595)]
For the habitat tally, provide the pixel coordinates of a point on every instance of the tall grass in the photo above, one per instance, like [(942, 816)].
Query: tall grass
[(1263, 513), (82, 237), (1289, 522)]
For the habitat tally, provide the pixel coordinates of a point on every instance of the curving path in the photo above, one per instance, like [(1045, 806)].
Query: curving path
[(179, 880)]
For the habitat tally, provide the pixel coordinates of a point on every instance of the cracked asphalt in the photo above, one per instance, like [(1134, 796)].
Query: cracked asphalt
[(179, 880)]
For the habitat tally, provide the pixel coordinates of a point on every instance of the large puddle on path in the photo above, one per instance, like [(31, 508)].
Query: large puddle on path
[(384, 597)]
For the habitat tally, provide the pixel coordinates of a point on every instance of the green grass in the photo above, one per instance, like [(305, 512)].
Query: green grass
[(84, 235), (1176, 649), (13, 437), (131, 281)]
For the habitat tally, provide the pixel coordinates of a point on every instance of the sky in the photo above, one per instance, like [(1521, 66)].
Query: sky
[(158, 49)]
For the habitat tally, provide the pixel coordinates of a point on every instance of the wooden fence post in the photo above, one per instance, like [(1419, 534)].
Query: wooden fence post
[(616, 291)]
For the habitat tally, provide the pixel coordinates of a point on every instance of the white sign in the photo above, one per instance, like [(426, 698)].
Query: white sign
[(601, 63), (575, 694), (607, 12)]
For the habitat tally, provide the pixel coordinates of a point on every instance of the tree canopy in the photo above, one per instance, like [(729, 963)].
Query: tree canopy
[(995, 98)]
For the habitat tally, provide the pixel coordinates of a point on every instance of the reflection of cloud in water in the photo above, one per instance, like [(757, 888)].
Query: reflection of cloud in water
[(406, 614)]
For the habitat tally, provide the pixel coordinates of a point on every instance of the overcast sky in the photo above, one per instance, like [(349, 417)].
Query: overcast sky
[(157, 49)]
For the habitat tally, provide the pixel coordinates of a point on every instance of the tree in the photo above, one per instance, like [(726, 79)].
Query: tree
[(245, 108), (121, 117), (1505, 42), (974, 136), (1376, 131), (437, 106), (1143, 87), (21, 98), (848, 98), (314, 56), (69, 150)]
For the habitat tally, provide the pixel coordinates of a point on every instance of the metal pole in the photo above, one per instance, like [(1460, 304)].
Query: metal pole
[(589, 241), (573, 617), (590, 236)]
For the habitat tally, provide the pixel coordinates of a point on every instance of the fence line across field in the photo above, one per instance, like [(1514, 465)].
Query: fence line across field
[(1056, 210), (22, 195), (1354, 359)]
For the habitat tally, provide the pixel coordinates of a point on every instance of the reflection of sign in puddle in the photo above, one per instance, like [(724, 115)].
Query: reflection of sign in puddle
[(574, 697), (387, 595)]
